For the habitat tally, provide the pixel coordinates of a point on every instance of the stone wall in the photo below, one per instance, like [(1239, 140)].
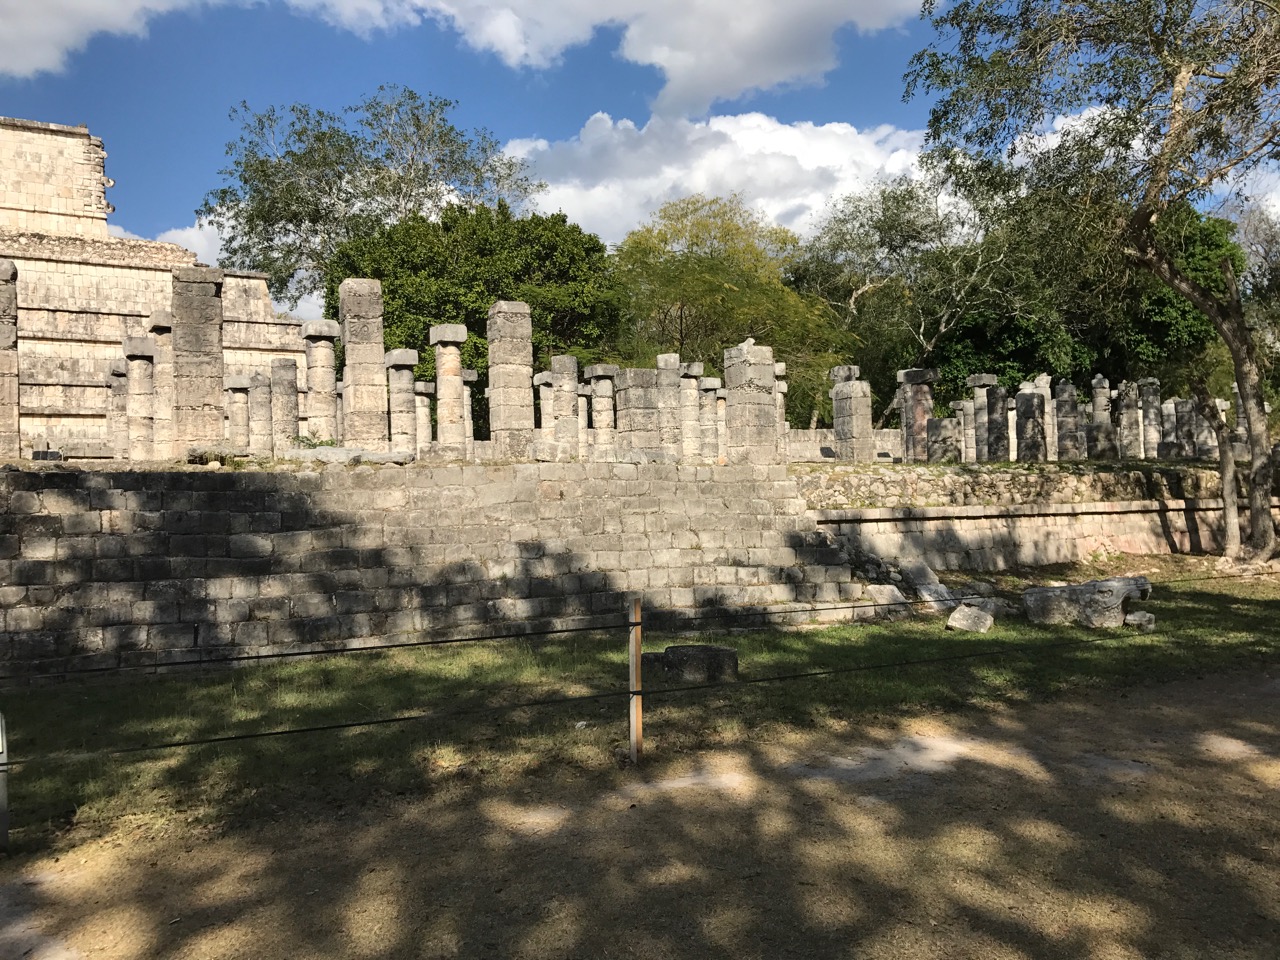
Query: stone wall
[(110, 566), (52, 180)]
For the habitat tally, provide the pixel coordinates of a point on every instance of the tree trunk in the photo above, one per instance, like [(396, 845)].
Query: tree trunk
[(1226, 470)]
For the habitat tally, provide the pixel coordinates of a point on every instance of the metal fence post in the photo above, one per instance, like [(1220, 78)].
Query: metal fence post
[(4, 788), (634, 640)]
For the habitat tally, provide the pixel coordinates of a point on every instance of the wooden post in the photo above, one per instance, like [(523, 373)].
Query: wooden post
[(634, 640), (4, 789)]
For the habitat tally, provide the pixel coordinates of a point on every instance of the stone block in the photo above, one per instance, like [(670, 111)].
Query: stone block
[(447, 333)]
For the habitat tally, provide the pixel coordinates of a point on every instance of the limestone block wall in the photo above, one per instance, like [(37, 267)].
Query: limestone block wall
[(109, 566), (52, 179)]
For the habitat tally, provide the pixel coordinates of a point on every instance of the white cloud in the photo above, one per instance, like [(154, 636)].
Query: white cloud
[(706, 49), (614, 175), (202, 239)]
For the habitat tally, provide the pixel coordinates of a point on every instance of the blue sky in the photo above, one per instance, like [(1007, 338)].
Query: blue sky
[(618, 104)]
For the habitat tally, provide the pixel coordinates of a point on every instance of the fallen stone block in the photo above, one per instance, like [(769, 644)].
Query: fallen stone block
[(693, 663), (972, 619), (1097, 603), (1141, 620), (889, 602)]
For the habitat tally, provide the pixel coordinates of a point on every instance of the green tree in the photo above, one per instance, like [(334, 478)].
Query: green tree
[(452, 269), (303, 181), (708, 272), (1166, 102)]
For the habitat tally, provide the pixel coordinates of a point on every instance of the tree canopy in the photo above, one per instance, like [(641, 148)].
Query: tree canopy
[(1144, 107), (303, 181), (706, 273)]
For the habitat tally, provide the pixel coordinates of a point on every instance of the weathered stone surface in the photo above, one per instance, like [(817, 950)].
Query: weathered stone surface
[(971, 619), (889, 602), (1097, 603), (695, 663), (1141, 620)]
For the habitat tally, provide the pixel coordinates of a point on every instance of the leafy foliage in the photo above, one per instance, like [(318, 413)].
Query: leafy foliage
[(303, 181)]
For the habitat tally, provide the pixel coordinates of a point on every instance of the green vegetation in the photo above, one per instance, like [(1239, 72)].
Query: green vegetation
[(473, 728)]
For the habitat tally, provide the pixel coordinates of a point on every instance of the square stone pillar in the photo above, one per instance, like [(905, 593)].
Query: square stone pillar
[(1043, 386), (668, 398), (708, 421), (238, 413), (1067, 406), (851, 415), (917, 409), (451, 416), (401, 406), (422, 394), (1185, 419), (722, 426), (636, 397), (140, 353), (604, 437), (564, 400), (1168, 430), (118, 413), (161, 328), (945, 440), (469, 377), (197, 358), (997, 423), (1241, 432), (980, 383), (260, 431), (284, 406), (963, 410), (1149, 391), (546, 406), (690, 413), (510, 335), (1102, 433), (322, 381), (1130, 421), (751, 412), (365, 424), (584, 421), (1032, 442), (10, 447)]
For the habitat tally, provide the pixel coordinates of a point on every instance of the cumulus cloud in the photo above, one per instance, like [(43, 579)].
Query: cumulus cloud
[(202, 239), (613, 175), (706, 49)]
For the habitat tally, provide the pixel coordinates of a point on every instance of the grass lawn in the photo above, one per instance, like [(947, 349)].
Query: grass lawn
[(473, 728)]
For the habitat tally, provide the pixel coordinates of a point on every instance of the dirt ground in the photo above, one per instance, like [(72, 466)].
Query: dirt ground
[(1121, 824)]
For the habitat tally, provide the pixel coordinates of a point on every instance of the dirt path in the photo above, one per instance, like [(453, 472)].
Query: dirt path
[(1134, 825)]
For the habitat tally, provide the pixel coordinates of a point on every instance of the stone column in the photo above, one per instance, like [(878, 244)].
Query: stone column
[(342, 390), (1032, 439), (851, 415), (118, 417), (140, 353), (260, 431), (422, 393), (322, 382), (197, 358), (963, 410), (722, 426), (1185, 413), (1149, 391), (584, 420), (917, 409), (636, 396), (451, 421), (403, 410), (546, 397), (364, 402), (945, 440), (468, 413), (284, 405), (668, 397), (1168, 430), (1068, 410), (510, 335), (1011, 424), (997, 424), (10, 447), (751, 413), (601, 377), (980, 383), (238, 414), (161, 327), (1130, 422), (708, 421), (690, 419), (1241, 432), (1043, 386), (564, 402), (1102, 434)]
